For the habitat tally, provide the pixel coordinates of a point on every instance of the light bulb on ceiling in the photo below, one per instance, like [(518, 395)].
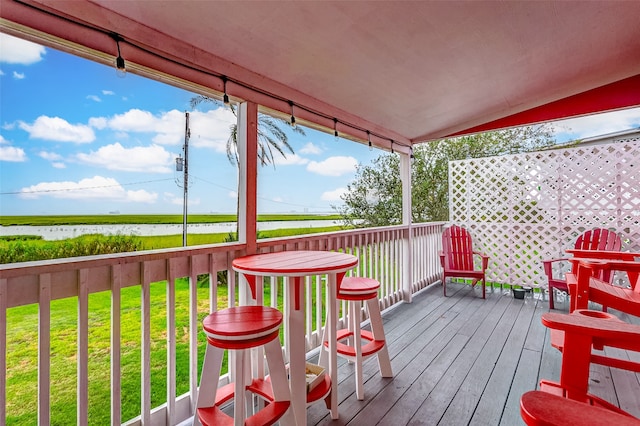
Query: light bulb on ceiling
[(225, 98), (293, 118), (369, 139), (335, 129), (121, 69)]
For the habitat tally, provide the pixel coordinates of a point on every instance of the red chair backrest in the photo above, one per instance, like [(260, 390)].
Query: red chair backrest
[(599, 239), (457, 249)]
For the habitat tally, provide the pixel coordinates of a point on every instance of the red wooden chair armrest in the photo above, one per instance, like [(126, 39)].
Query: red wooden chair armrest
[(602, 268), (441, 254), (609, 332), (583, 331), (548, 265), (485, 259), (602, 254)]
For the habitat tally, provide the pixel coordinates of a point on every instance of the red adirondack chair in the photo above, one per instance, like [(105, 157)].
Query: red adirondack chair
[(457, 258), (597, 239), (580, 331)]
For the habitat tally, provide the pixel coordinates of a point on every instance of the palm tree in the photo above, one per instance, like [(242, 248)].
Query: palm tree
[(271, 138)]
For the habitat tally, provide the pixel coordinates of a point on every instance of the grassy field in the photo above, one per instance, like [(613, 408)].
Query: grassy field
[(117, 219)]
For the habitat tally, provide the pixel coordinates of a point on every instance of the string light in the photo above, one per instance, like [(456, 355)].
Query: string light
[(392, 147), (225, 98), (293, 118), (121, 69)]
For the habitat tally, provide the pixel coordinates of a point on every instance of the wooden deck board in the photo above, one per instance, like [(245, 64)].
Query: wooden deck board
[(463, 360)]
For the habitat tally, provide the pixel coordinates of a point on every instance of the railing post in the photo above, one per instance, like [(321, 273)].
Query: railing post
[(407, 270)]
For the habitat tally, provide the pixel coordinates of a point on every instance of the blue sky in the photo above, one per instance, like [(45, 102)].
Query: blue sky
[(77, 139)]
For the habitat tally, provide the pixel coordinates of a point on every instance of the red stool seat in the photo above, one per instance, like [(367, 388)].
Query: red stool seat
[(350, 342), (238, 329), (242, 327), (358, 288)]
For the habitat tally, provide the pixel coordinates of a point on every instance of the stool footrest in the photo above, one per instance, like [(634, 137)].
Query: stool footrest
[(318, 392), (225, 394), (369, 349), (269, 415)]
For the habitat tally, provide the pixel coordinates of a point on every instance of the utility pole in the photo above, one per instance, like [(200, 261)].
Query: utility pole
[(185, 180)]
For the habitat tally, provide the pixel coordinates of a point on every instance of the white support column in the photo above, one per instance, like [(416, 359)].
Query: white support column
[(248, 175), (407, 258)]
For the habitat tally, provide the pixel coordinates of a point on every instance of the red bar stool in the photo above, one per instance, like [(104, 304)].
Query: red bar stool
[(239, 329), (356, 290)]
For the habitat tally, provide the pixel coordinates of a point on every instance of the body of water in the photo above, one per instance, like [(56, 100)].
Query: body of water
[(61, 232)]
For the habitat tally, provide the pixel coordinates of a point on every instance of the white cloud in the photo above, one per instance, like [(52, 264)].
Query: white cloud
[(18, 75), (108, 92), (94, 98), (289, 160), (54, 158), (95, 188), (13, 154), (134, 120), (333, 195), (3, 140), (310, 148), (151, 159), (208, 129), (599, 124), (98, 122), (50, 156), (1, 72), (142, 196), (333, 166), (232, 194), (18, 51), (58, 129), (179, 200)]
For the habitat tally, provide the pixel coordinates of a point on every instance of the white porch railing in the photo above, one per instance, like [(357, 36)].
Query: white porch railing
[(383, 254)]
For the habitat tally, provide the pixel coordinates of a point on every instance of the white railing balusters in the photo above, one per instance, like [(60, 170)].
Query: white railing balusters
[(116, 391), (3, 348), (145, 311), (380, 251), (83, 348), (171, 341), (194, 328), (44, 350)]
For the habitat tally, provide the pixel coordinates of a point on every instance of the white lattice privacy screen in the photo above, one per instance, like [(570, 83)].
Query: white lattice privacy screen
[(523, 208)]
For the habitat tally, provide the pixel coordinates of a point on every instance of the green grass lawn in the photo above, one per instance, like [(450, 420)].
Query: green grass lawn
[(22, 350)]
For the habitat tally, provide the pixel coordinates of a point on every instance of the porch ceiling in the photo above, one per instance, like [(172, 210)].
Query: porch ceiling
[(408, 71)]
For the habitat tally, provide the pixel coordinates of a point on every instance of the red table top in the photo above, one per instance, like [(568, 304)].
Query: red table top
[(295, 263)]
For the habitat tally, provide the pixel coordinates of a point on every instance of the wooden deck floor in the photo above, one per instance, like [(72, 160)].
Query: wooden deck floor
[(463, 360)]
